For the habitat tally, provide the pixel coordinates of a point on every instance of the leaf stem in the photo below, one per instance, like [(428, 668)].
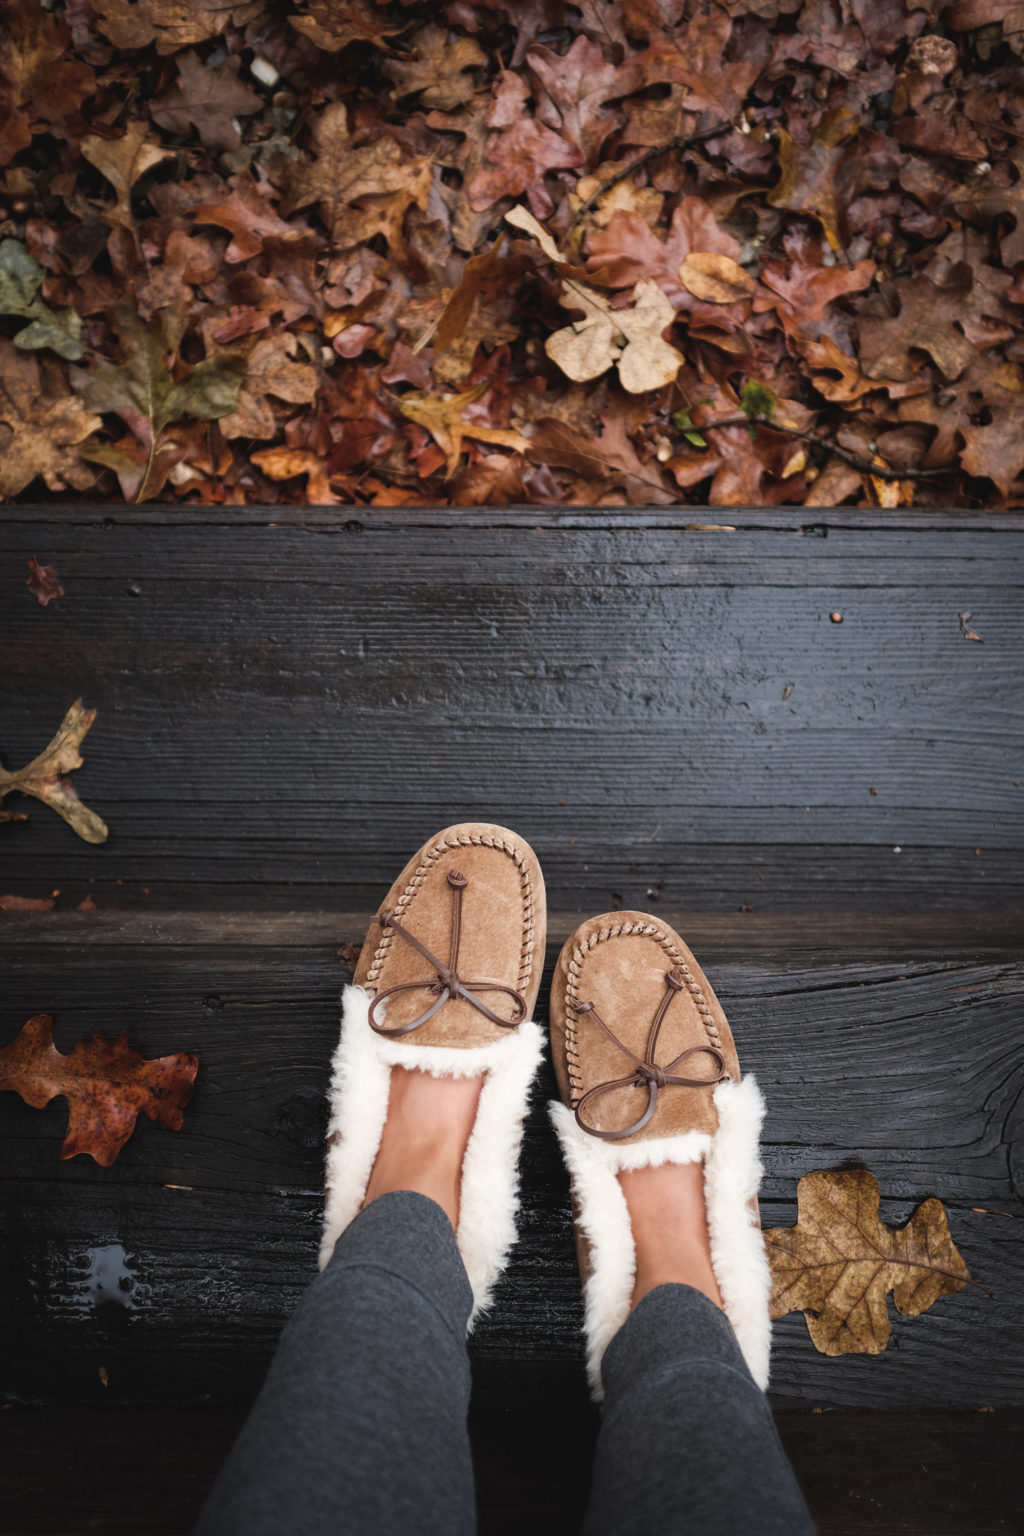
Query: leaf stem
[(854, 460)]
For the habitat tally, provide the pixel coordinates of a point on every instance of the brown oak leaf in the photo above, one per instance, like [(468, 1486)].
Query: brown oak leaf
[(519, 152), (39, 431), (810, 179), (443, 418), (42, 582), (927, 322), (333, 24), (840, 1261), (575, 89), (209, 99), (272, 369), (436, 69), (610, 459), (46, 776), (342, 172), (107, 1086), (39, 84), (172, 24), (997, 450), (122, 161)]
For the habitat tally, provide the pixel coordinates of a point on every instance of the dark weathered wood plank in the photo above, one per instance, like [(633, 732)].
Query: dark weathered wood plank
[(911, 1066), (67, 1473), (287, 707)]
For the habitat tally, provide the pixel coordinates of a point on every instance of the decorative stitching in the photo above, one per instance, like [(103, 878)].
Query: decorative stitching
[(624, 930), (463, 840)]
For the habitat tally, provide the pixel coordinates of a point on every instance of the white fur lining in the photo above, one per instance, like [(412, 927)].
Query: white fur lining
[(732, 1174), (360, 1082)]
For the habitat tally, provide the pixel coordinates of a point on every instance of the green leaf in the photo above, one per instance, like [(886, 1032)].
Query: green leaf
[(683, 422), (21, 277), (757, 399)]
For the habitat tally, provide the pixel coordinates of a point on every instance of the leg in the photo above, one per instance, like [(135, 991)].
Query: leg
[(687, 1441), (361, 1424)]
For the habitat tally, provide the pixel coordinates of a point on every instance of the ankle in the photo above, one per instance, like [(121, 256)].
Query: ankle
[(670, 1229)]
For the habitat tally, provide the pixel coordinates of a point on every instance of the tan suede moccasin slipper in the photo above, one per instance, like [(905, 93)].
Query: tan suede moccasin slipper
[(446, 983), (648, 1073)]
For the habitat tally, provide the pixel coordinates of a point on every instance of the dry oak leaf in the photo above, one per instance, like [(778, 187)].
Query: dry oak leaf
[(172, 24), (45, 777), (629, 337), (333, 24), (927, 321), (286, 463), (42, 582), (442, 417), (436, 69), (343, 172), (519, 153), (989, 201), (122, 161), (576, 85), (840, 1261), (39, 83), (250, 219), (209, 99), (718, 279), (107, 1086), (807, 183), (39, 434), (609, 460), (997, 450), (273, 369)]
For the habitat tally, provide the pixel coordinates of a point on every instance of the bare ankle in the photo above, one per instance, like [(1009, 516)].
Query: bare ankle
[(670, 1229)]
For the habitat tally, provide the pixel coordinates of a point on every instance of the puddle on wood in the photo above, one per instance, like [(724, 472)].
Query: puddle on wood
[(107, 1285)]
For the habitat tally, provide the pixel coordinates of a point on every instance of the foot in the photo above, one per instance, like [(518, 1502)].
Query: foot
[(426, 1132), (670, 1228)]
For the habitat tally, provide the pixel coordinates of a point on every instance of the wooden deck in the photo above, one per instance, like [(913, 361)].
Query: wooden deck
[(290, 702)]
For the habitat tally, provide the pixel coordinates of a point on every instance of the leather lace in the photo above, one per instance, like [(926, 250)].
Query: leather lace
[(647, 1071), (446, 983)]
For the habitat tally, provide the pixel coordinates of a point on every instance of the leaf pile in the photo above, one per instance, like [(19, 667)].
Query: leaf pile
[(840, 1261), (107, 1086), (761, 251)]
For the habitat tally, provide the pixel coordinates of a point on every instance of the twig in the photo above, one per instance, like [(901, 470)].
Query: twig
[(853, 459), (681, 141)]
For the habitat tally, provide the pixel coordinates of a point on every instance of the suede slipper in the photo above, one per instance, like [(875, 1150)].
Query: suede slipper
[(648, 1073), (447, 982)]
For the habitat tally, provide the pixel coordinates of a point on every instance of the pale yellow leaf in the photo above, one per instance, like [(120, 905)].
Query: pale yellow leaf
[(718, 279)]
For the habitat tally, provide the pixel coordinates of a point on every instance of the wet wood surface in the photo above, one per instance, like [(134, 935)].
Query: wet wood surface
[(673, 720)]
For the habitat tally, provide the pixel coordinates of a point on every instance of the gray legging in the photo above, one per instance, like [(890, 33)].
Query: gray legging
[(361, 1423)]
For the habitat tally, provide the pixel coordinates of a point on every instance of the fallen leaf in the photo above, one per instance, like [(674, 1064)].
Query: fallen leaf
[(107, 1086), (808, 180), (442, 417), (21, 277), (519, 152), (435, 70), (172, 24), (143, 391), (839, 1262), (45, 777), (630, 336), (718, 279), (208, 99), (123, 161), (11, 903), (333, 24), (40, 432), (272, 368), (42, 582)]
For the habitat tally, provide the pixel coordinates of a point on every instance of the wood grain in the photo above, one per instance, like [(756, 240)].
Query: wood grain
[(290, 699), (286, 706)]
